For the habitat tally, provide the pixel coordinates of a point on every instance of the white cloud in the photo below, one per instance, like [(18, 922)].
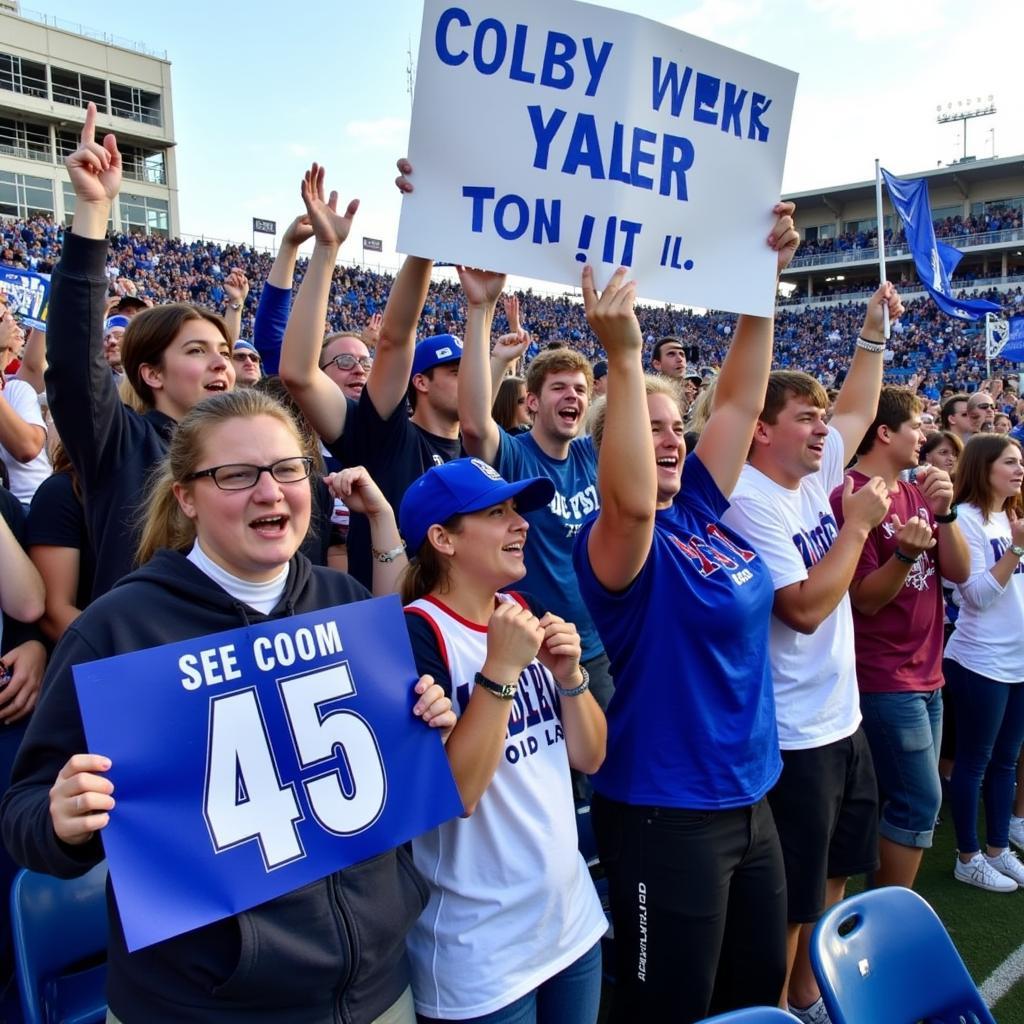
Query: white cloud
[(385, 131)]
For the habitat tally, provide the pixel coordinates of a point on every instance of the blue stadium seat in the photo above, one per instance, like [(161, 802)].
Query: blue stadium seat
[(60, 935), (884, 955), (753, 1015)]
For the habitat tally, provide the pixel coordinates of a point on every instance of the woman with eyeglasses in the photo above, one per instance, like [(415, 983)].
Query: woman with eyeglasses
[(220, 541), (173, 356)]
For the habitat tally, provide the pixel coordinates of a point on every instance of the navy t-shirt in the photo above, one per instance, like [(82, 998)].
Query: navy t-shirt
[(549, 571), (692, 720), (395, 452)]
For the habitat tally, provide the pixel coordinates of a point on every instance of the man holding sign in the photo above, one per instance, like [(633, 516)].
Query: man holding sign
[(256, 810)]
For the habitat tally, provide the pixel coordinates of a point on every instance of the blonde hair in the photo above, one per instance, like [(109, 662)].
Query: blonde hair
[(654, 384), (130, 397), (163, 523), (700, 411)]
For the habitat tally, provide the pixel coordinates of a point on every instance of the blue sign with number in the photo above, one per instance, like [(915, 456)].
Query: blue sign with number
[(27, 294), (252, 762)]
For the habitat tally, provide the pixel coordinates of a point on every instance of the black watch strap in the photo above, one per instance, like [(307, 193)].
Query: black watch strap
[(949, 517), (503, 691)]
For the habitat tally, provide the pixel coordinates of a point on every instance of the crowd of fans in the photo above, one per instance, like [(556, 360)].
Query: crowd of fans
[(207, 437)]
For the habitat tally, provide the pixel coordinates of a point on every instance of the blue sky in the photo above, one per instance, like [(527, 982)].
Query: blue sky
[(261, 89)]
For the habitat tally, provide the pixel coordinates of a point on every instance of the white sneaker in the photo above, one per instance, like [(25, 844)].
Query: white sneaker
[(813, 1014), (1017, 832), (977, 871), (1008, 864)]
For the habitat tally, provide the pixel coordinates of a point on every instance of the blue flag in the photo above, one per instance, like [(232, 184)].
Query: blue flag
[(1014, 347), (935, 261), (28, 295)]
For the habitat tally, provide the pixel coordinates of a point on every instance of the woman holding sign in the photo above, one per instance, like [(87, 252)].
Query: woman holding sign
[(224, 521), (683, 606), (512, 929)]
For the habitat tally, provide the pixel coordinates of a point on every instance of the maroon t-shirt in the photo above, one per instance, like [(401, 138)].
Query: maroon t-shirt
[(899, 649)]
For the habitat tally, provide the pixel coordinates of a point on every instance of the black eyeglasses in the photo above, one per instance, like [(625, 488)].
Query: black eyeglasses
[(347, 361), (240, 477)]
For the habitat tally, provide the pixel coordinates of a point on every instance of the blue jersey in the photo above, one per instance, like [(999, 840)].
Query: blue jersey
[(692, 720), (549, 572)]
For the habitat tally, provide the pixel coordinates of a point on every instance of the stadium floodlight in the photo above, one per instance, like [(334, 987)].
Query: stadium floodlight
[(964, 110)]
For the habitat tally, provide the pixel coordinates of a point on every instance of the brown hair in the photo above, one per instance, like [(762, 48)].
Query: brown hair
[(148, 335), (948, 407), (163, 523), (557, 360), (973, 486), (653, 385), (786, 384), (896, 406), (427, 571), (335, 335), (506, 402), (935, 439)]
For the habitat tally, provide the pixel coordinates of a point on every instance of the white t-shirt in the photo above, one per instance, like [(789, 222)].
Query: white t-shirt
[(25, 476), (990, 626), (511, 899), (815, 676)]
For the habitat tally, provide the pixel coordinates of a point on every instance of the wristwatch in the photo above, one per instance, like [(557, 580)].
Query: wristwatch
[(503, 691), (387, 557), (234, 305), (949, 517), (1017, 550)]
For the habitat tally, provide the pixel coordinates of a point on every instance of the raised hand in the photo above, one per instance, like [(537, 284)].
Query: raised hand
[(514, 636), (330, 227), (358, 490), (95, 170), (868, 507), (80, 799), (481, 287), (510, 303), (510, 347), (937, 488), (913, 537), (371, 332), (885, 296), (236, 285), (300, 230), (611, 314), (561, 651), (784, 237)]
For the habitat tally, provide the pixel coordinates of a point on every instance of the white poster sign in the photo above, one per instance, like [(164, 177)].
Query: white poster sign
[(549, 133)]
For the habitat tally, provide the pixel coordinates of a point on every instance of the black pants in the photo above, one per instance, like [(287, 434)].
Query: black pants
[(698, 901)]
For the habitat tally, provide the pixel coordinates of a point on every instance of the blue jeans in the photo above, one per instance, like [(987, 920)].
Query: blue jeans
[(573, 996), (989, 733), (904, 731)]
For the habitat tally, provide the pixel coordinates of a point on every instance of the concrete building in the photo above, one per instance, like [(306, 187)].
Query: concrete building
[(49, 71), (968, 188)]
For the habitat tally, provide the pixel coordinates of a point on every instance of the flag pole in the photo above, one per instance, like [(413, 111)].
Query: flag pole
[(880, 228)]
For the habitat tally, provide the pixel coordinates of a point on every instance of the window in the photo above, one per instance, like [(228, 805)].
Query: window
[(22, 195), (77, 90), (20, 75), (827, 230), (867, 225), (144, 164), (25, 139), (135, 104), (952, 212), (144, 214)]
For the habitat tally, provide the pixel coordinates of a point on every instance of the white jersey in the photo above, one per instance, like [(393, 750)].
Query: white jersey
[(987, 637), (25, 476), (511, 899), (815, 676)]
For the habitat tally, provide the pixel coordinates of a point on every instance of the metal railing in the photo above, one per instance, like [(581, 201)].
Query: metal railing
[(912, 291), (26, 154), (870, 255), (92, 33)]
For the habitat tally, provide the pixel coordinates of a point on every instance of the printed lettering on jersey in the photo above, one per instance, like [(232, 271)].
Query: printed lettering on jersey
[(708, 558), (536, 719), (813, 545), (575, 509), (295, 753)]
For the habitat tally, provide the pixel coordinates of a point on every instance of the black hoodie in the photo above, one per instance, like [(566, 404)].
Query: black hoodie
[(333, 951)]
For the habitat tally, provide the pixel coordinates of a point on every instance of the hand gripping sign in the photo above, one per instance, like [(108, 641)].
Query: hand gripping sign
[(252, 762), (549, 134)]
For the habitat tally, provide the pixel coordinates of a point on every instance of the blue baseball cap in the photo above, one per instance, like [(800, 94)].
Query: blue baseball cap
[(114, 321), (464, 485), (444, 348), (244, 346)]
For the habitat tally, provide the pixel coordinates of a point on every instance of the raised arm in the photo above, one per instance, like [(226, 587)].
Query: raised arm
[(627, 480), (21, 587), (236, 291), (740, 388), (320, 399), (480, 434), (857, 401), (33, 360)]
